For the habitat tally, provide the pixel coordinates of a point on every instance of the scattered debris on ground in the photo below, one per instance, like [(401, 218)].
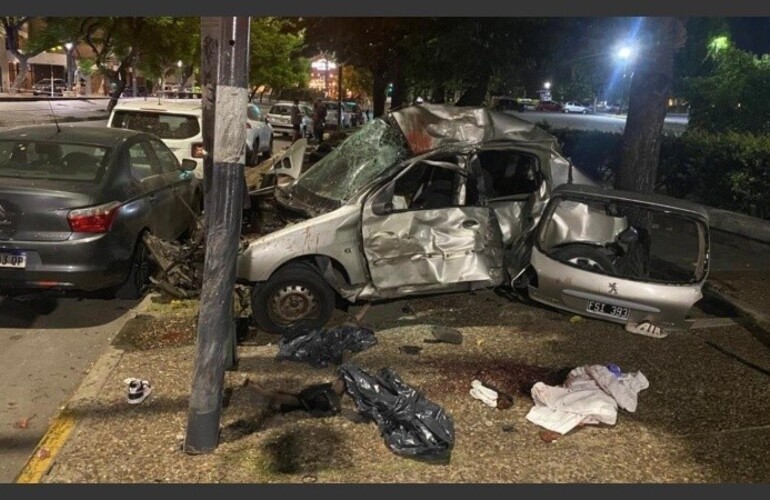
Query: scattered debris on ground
[(179, 263), (320, 347), (411, 425), (146, 332), (589, 395), (446, 334)]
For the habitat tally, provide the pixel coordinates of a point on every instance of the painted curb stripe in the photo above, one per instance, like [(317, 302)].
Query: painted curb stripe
[(53, 441)]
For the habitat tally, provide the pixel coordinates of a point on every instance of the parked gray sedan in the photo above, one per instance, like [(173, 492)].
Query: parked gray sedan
[(75, 202)]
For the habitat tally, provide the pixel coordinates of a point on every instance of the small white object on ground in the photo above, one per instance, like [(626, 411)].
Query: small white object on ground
[(138, 390), (647, 329), (483, 393)]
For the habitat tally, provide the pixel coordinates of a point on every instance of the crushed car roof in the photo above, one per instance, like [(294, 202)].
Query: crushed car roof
[(430, 126)]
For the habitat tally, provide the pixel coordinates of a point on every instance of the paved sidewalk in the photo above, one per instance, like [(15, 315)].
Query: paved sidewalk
[(31, 112)]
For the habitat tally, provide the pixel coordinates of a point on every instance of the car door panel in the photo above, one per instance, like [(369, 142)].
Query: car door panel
[(431, 248)]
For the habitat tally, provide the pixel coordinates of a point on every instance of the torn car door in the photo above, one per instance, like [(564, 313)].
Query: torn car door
[(419, 234)]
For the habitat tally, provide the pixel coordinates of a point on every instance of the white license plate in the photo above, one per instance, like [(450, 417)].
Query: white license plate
[(607, 309), (16, 259)]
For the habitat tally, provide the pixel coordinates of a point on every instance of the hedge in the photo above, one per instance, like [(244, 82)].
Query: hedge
[(729, 171)]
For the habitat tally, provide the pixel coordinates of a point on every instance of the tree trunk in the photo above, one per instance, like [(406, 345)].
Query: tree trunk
[(438, 94), (23, 70), (651, 86), (475, 96), (378, 94), (400, 90)]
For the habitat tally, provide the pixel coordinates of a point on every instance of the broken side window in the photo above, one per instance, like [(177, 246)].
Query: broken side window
[(509, 173)]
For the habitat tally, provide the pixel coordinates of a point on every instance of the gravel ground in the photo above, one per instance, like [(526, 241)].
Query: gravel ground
[(703, 419)]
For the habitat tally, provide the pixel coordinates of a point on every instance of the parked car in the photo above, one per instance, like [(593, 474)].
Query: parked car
[(43, 87), (574, 107), (179, 124), (141, 91), (356, 113), (76, 201), (548, 106), (279, 116), (259, 136), (438, 198), (332, 108)]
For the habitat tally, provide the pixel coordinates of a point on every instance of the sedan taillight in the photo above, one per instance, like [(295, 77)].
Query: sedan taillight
[(197, 150), (96, 219)]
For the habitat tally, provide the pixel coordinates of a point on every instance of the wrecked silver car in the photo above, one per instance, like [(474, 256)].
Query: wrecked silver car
[(619, 256), (429, 199)]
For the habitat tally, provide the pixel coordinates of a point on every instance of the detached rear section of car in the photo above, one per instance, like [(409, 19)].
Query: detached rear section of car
[(619, 256)]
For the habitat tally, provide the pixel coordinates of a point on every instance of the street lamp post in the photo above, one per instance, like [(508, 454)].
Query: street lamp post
[(69, 46), (179, 79)]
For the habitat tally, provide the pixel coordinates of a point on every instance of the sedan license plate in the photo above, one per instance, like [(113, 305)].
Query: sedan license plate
[(16, 260), (607, 309)]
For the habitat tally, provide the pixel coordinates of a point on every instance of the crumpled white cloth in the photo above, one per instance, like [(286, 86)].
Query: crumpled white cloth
[(589, 395)]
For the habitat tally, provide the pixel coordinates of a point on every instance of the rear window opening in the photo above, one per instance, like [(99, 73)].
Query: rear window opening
[(163, 125), (626, 240)]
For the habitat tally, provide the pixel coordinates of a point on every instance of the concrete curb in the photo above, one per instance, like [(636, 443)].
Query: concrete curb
[(64, 425)]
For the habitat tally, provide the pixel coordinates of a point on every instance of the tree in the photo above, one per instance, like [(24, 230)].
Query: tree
[(43, 34), (178, 40), (371, 43), (275, 54), (731, 96), (651, 86)]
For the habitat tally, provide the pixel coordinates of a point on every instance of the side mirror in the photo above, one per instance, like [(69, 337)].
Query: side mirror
[(188, 165)]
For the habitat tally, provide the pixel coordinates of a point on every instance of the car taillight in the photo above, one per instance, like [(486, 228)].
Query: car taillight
[(96, 219), (197, 150)]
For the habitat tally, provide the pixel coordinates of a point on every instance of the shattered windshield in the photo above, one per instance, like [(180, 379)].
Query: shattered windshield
[(356, 162)]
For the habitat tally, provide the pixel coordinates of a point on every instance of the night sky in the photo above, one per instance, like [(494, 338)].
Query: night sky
[(751, 33)]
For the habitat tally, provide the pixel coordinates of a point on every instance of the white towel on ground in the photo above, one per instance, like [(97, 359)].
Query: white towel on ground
[(589, 395)]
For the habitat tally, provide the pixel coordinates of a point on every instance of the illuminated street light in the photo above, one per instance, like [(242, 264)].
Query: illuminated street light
[(69, 46), (624, 53), (547, 85)]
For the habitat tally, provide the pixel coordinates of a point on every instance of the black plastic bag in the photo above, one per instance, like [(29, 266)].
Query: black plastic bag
[(412, 425), (320, 347)]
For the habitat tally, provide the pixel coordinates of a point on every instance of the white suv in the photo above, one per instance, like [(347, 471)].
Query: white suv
[(179, 125)]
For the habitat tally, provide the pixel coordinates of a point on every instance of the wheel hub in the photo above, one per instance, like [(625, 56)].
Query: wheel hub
[(291, 304)]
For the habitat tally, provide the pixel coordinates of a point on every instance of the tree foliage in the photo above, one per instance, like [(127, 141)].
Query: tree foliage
[(732, 96), (275, 58)]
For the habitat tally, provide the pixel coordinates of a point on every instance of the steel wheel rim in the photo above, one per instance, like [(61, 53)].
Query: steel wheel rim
[(292, 303)]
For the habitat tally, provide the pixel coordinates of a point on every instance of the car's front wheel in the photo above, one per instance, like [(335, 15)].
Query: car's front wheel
[(295, 296)]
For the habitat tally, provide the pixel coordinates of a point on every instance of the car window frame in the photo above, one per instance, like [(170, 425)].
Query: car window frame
[(154, 165), (165, 149)]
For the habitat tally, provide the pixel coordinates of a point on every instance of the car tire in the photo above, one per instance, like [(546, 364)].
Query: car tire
[(295, 296), (269, 153), (583, 255), (139, 274), (252, 157)]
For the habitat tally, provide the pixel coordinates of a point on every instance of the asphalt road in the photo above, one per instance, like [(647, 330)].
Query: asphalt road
[(674, 124)]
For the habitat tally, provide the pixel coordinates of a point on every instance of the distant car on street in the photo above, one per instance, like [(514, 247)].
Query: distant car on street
[(332, 108), (574, 107), (279, 117), (43, 87), (75, 203), (548, 106)]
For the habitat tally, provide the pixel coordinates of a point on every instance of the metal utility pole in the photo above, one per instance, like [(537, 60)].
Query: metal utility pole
[(339, 96), (224, 75)]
